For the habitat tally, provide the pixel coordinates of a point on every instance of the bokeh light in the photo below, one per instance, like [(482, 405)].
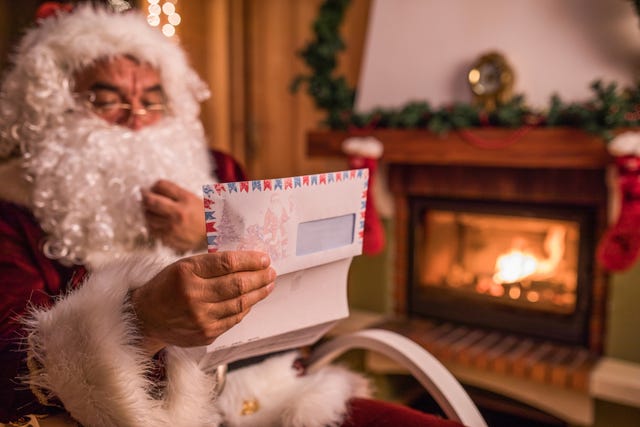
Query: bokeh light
[(164, 14)]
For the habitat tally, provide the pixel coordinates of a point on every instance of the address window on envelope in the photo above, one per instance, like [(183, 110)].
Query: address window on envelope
[(324, 234)]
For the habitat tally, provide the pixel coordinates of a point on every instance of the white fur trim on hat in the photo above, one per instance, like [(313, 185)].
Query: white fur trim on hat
[(39, 86)]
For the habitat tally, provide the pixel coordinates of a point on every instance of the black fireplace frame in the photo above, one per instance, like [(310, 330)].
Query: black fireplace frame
[(439, 303)]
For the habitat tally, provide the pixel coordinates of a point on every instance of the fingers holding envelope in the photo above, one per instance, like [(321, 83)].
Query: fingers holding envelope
[(196, 299)]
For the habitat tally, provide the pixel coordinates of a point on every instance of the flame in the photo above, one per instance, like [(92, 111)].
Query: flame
[(514, 265), (518, 264)]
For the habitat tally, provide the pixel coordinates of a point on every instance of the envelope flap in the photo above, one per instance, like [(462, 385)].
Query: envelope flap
[(301, 221)]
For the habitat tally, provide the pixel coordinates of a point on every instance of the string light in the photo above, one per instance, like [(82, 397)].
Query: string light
[(163, 14), (119, 5)]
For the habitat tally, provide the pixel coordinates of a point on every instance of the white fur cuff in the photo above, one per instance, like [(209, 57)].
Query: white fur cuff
[(86, 353)]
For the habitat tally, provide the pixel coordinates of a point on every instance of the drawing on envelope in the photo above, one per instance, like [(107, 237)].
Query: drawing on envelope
[(311, 226)]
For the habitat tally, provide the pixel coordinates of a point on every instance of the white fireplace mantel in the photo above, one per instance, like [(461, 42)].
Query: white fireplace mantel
[(617, 381)]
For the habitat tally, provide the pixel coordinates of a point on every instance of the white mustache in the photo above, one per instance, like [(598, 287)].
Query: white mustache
[(87, 177)]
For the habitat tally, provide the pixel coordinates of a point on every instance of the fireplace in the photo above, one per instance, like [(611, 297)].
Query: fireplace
[(518, 268), (544, 178), (536, 207), (460, 207)]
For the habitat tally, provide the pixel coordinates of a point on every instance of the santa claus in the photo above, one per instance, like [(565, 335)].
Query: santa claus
[(105, 293)]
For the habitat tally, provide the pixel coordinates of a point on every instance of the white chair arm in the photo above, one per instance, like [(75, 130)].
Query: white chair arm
[(434, 377)]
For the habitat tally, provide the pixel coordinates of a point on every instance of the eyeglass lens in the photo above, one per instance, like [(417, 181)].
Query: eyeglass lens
[(111, 105)]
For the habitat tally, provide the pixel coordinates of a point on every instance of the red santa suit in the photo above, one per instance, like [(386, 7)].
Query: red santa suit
[(71, 364), (69, 338), (30, 279)]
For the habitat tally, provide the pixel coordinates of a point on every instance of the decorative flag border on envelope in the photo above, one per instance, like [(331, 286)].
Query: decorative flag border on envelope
[(215, 193)]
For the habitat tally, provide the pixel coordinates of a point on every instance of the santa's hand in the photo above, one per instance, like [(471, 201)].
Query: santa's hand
[(196, 299), (175, 216)]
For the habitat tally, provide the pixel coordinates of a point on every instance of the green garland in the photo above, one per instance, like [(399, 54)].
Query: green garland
[(331, 94), (609, 108)]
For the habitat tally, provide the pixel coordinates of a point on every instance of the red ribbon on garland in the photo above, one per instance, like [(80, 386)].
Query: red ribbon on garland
[(494, 144)]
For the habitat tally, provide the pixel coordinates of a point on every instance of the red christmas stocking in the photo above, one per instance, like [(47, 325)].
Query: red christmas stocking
[(620, 245), (364, 153)]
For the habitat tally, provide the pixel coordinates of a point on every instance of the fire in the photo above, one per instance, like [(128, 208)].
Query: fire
[(518, 264), (514, 265)]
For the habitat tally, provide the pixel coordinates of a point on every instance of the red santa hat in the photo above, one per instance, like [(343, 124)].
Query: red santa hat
[(39, 87)]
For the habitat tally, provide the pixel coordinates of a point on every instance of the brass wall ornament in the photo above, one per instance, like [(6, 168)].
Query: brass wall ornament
[(491, 80), (609, 107)]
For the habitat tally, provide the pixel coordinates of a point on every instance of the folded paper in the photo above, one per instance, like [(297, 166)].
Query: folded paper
[(311, 226)]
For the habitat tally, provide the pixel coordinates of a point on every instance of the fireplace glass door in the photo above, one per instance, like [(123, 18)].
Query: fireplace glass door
[(519, 268)]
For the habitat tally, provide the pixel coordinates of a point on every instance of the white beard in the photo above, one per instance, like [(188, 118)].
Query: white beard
[(87, 177)]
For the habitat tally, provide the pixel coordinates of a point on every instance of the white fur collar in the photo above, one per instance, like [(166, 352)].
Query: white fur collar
[(85, 355)]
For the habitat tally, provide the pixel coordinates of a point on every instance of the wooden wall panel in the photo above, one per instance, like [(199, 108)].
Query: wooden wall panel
[(278, 120), (237, 81), (247, 51), (217, 31), (353, 32), (270, 109), (205, 34)]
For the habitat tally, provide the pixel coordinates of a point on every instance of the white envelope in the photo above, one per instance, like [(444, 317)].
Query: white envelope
[(311, 226)]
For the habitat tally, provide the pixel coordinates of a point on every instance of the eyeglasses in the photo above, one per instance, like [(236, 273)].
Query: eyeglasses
[(119, 112)]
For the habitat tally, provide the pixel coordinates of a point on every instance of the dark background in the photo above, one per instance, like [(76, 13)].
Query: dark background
[(16, 16)]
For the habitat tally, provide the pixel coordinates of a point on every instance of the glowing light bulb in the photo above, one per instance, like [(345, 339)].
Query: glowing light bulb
[(174, 19), (164, 14), (153, 20), (168, 30), (168, 8)]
